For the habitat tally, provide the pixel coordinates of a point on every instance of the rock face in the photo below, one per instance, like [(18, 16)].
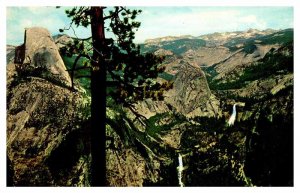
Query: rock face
[(253, 69), (127, 167), (207, 56), (41, 115), (48, 128), (191, 93), (233, 65), (10, 53), (48, 140), (62, 40), (41, 55)]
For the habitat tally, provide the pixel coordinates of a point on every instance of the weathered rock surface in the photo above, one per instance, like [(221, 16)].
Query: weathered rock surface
[(47, 129), (41, 55), (149, 108), (39, 117), (127, 167), (10, 53), (255, 71), (207, 56), (62, 40), (47, 137), (41, 114), (192, 92), (233, 66)]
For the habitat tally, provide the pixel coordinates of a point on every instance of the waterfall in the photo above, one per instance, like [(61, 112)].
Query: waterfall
[(180, 169), (232, 117)]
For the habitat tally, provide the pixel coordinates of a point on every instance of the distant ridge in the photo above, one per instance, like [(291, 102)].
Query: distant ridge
[(249, 32)]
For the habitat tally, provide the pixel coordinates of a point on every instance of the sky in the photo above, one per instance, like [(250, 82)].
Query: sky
[(157, 21)]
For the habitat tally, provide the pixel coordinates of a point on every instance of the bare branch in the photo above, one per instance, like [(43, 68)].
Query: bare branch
[(84, 39), (74, 67), (141, 118)]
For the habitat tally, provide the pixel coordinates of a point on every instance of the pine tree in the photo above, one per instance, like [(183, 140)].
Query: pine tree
[(117, 70)]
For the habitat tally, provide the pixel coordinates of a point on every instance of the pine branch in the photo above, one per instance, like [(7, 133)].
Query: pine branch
[(141, 118), (74, 67), (115, 13)]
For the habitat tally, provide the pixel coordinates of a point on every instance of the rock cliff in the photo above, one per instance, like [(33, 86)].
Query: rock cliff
[(39, 54), (48, 126), (253, 69), (41, 112)]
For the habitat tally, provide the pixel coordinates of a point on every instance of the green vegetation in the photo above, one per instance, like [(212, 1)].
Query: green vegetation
[(281, 37), (249, 48), (216, 153), (166, 76), (81, 76), (275, 62), (163, 122), (117, 71)]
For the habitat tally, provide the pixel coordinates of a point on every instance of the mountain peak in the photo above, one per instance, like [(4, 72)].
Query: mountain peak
[(167, 38)]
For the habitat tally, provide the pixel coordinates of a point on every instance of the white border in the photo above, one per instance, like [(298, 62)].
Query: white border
[(3, 6), (3, 95), (154, 2)]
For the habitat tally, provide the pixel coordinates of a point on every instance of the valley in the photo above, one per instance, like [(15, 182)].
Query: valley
[(209, 74)]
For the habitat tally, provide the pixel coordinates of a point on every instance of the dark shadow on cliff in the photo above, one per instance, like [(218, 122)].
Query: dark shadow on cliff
[(9, 172), (270, 161), (64, 159)]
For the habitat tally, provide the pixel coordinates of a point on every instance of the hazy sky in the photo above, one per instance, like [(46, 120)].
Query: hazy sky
[(158, 21)]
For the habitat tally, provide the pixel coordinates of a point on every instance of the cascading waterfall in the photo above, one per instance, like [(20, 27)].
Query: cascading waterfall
[(232, 117), (180, 169)]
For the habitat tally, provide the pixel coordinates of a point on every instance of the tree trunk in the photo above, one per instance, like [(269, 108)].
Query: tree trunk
[(98, 105)]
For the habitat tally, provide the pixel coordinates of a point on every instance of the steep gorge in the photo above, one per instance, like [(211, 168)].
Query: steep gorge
[(252, 69)]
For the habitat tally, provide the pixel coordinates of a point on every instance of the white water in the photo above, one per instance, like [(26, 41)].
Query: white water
[(180, 169), (232, 117)]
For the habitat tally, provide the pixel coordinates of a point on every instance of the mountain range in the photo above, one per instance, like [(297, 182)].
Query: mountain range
[(210, 73)]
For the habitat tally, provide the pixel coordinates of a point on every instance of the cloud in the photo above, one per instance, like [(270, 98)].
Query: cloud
[(19, 18), (194, 23), (158, 21), (203, 20), (249, 19)]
